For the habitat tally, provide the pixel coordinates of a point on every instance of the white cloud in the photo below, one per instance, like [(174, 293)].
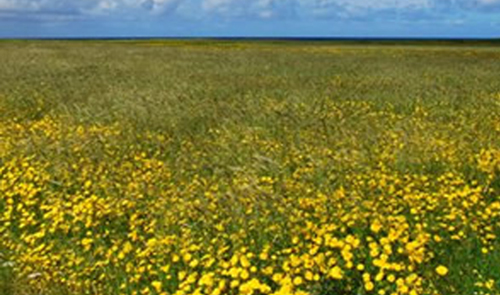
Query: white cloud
[(376, 4), (43, 9), (243, 8), (257, 8), (216, 4), (339, 8), (160, 6), (28, 5), (270, 8), (356, 8)]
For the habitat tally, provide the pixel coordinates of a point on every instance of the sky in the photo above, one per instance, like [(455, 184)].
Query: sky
[(247, 18)]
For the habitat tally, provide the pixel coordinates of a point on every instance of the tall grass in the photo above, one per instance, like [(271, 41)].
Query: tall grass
[(231, 149)]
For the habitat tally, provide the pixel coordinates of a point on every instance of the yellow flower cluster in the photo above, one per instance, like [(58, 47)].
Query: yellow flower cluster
[(94, 209)]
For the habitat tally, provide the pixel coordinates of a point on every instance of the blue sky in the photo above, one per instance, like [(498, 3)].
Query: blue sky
[(271, 18)]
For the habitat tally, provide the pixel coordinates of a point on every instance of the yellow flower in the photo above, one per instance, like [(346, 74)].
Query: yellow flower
[(244, 262), (234, 283), (391, 278), (206, 280), (157, 286), (442, 270), (263, 256), (165, 268), (244, 274), (86, 243), (376, 226), (336, 273), (268, 270), (369, 286), (298, 281), (193, 263)]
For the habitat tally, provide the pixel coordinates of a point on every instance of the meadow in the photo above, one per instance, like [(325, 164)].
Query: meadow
[(237, 167)]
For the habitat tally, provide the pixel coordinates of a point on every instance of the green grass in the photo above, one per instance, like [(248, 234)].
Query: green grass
[(185, 88), (245, 109)]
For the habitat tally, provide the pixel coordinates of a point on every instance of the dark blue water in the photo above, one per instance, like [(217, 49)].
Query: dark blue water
[(354, 40)]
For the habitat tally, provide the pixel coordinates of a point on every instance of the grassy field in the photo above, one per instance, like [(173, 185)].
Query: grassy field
[(217, 167)]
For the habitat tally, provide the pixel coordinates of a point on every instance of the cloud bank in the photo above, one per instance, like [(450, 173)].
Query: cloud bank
[(264, 9)]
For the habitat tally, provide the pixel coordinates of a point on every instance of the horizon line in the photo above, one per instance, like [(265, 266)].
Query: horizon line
[(270, 38)]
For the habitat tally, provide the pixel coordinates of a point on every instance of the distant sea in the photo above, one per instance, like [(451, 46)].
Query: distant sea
[(295, 39)]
